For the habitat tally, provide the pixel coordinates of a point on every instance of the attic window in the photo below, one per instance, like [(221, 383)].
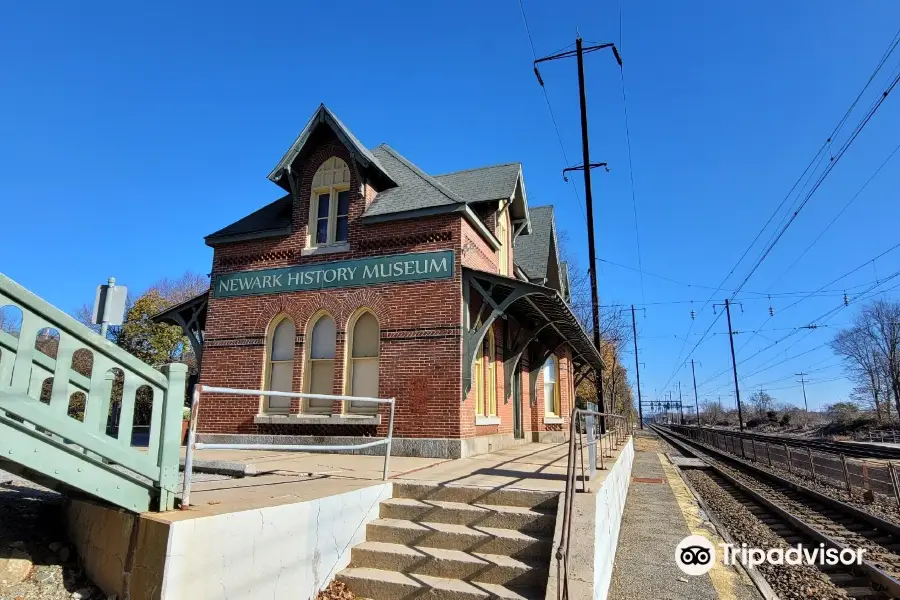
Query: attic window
[(329, 206)]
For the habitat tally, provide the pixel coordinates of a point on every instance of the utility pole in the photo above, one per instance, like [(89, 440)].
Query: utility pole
[(696, 402), (586, 166), (637, 367), (680, 407), (805, 405), (737, 393)]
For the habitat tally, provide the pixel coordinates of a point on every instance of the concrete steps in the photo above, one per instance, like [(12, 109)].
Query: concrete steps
[(378, 584), (492, 540), (455, 543), (455, 564), (458, 513), (469, 495)]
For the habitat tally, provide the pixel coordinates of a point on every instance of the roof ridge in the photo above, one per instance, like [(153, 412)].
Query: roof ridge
[(507, 164), (422, 174)]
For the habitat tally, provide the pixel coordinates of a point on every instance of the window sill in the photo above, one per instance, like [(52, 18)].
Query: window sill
[(312, 419), (549, 420), (326, 249), (482, 420)]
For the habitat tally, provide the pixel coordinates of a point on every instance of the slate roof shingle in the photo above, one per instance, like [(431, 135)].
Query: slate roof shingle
[(271, 219), (532, 252), (415, 189), (486, 183)]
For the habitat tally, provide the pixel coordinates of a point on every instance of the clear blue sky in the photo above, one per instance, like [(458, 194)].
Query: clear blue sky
[(130, 132)]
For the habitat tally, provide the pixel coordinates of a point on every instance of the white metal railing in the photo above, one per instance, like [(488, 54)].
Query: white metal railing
[(193, 445)]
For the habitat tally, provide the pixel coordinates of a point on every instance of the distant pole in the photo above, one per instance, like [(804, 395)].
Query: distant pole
[(104, 325), (805, 405), (696, 402), (680, 407), (737, 393), (637, 367)]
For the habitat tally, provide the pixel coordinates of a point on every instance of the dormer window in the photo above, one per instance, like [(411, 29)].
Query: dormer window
[(330, 204)]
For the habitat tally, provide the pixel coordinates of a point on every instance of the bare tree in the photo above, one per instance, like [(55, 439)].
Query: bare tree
[(712, 412), (762, 403), (860, 353), (615, 335), (882, 319)]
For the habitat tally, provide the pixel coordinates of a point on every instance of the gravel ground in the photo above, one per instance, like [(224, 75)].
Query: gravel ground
[(36, 563), (790, 582), (881, 506), (812, 512)]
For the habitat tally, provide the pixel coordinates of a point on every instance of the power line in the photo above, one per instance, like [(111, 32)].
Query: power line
[(819, 324), (817, 157), (562, 146), (837, 216), (637, 234), (828, 169)]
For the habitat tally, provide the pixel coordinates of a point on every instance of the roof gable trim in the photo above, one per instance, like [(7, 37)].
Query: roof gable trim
[(324, 116)]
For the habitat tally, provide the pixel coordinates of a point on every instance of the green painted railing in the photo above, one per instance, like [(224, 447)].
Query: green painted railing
[(40, 439)]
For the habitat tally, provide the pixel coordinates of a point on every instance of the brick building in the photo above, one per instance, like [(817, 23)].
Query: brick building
[(369, 277)]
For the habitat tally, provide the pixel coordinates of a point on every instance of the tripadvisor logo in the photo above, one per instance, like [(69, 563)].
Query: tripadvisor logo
[(696, 555)]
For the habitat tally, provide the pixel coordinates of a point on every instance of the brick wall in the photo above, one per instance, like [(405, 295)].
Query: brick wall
[(421, 324)]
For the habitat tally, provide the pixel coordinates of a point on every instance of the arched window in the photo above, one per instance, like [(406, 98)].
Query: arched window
[(329, 206), (365, 341), (320, 368), (551, 386), (478, 379), (280, 368), (485, 377)]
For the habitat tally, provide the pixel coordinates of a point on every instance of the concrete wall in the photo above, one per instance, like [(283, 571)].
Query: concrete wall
[(284, 552), (610, 507), (123, 553), (594, 536)]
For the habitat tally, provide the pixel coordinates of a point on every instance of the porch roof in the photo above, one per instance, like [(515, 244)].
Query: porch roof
[(539, 309)]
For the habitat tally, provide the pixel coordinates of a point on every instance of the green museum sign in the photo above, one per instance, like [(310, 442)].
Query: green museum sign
[(398, 268)]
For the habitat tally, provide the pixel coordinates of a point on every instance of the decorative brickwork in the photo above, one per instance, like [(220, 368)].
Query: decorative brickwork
[(421, 325)]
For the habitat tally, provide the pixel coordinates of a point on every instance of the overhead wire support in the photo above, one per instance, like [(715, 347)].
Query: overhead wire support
[(737, 393), (579, 52)]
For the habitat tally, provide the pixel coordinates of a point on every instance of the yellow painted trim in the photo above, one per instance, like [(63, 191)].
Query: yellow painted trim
[(346, 387), (267, 360), (556, 395), (306, 372), (332, 190), (724, 579)]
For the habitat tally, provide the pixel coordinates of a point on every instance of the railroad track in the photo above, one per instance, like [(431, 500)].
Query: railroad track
[(801, 515), (855, 450)]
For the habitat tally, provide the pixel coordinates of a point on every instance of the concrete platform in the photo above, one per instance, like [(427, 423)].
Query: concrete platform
[(659, 512), (687, 462), (286, 477), (286, 532)]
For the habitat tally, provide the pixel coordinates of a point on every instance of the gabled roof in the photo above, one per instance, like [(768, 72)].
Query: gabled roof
[(492, 183), (324, 116), (415, 189), (534, 252), (269, 221), (404, 190), (497, 182)]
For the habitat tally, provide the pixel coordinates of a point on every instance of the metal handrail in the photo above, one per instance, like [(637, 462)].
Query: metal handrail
[(193, 445), (619, 433)]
